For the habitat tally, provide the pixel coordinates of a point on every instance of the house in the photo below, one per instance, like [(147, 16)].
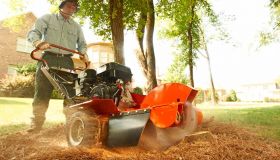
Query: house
[(98, 53), (267, 91), (14, 48)]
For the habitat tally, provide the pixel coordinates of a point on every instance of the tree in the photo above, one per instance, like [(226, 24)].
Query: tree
[(16, 7), (187, 26), (204, 45), (146, 22), (106, 19), (177, 71), (275, 8), (116, 22), (109, 19), (232, 97), (183, 15), (273, 34), (219, 34), (186, 17)]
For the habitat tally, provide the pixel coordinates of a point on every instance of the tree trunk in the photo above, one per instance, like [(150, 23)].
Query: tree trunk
[(213, 90), (140, 31), (190, 53), (151, 62), (116, 20), (146, 57)]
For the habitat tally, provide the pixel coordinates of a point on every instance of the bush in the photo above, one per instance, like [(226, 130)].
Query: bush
[(56, 95), (267, 99), (138, 90), (21, 86), (232, 97), (205, 96), (18, 86), (27, 69)]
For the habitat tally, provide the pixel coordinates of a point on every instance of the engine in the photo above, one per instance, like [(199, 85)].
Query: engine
[(106, 82)]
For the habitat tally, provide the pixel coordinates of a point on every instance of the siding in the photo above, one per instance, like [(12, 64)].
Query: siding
[(8, 45)]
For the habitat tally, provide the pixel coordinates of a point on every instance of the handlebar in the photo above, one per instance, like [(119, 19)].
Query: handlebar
[(66, 49), (55, 46)]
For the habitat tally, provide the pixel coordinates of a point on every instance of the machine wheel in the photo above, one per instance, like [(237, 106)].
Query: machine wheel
[(82, 129)]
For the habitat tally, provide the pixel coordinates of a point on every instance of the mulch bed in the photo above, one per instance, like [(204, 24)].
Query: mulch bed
[(223, 142)]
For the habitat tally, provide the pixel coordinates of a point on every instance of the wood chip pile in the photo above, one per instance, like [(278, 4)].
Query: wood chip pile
[(223, 141)]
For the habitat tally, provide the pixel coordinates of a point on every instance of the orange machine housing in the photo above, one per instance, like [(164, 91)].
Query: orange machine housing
[(166, 101)]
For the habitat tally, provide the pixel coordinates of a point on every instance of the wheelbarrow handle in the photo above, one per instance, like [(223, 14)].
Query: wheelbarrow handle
[(59, 47)]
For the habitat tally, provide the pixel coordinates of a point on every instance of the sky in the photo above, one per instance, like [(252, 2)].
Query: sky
[(242, 62), (233, 64)]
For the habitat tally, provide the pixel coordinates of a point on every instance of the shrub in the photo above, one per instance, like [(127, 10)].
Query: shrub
[(18, 86), (21, 86), (204, 96), (27, 69), (138, 90), (267, 99), (231, 97), (56, 94)]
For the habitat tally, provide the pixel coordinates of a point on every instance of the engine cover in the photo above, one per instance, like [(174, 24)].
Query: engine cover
[(110, 72)]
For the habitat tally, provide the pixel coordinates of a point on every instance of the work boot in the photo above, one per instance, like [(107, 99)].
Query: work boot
[(36, 126), (34, 129)]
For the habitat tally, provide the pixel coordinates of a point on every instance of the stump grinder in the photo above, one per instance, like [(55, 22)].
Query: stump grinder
[(99, 109)]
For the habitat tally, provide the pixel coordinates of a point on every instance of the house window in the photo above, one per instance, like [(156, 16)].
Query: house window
[(99, 55), (23, 45), (103, 57), (12, 70)]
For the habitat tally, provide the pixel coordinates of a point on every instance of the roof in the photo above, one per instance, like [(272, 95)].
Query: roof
[(101, 44)]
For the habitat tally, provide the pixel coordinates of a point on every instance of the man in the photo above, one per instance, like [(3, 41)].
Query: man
[(59, 29)]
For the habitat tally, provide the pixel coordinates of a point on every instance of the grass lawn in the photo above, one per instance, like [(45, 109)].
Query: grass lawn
[(261, 118), (15, 114), (264, 119)]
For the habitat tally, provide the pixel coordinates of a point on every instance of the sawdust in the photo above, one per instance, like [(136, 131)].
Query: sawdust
[(224, 142)]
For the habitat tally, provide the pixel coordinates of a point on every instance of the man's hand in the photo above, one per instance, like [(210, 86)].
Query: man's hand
[(85, 59), (42, 45)]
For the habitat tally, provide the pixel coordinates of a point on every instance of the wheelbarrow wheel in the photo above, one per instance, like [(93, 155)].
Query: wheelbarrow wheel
[(82, 129)]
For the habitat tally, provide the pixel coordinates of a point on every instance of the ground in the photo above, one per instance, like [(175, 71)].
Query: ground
[(248, 131), (225, 141)]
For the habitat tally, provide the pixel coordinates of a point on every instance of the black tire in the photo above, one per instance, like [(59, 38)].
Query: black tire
[(82, 129)]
